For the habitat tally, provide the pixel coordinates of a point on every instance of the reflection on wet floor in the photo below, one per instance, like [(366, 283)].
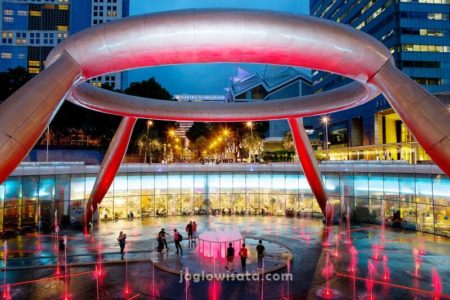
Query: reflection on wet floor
[(410, 270)]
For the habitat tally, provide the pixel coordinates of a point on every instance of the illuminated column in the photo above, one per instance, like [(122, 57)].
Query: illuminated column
[(26, 113), (308, 161), (426, 117), (110, 165)]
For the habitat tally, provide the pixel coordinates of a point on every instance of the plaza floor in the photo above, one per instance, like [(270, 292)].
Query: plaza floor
[(399, 266)]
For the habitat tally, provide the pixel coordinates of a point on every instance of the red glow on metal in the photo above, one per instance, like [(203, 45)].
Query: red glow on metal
[(110, 166), (310, 169)]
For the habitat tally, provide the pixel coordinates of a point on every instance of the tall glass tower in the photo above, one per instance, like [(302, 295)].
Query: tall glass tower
[(418, 34), (31, 28)]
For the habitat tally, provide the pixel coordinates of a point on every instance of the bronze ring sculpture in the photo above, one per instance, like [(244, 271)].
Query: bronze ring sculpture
[(201, 36)]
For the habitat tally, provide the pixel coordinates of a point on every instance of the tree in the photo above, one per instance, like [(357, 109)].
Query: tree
[(198, 148), (254, 145), (288, 142), (150, 147), (150, 89)]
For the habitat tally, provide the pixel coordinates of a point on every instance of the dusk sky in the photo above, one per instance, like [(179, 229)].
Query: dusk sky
[(204, 78)]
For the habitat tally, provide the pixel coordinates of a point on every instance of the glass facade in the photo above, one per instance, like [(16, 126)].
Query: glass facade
[(417, 34), (422, 200), (31, 28)]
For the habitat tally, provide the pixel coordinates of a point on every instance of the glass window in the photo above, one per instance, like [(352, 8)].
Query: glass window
[(120, 185), (134, 184)]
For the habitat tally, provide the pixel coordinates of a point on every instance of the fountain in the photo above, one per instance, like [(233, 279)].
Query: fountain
[(386, 271), (383, 225), (56, 243), (39, 247), (328, 225), (348, 240), (327, 273), (99, 249), (127, 288), (215, 243), (437, 284), (303, 235), (6, 291), (417, 262), (66, 279), (353, 260), (369, 280), (376, 249)]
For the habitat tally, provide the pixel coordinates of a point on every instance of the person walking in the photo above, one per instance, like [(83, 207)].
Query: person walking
[(189, 231), (243, 253), (261, 251), (177, 238), (194, 232), (122, 239), (230, 257), (62, 249), (162, 236)]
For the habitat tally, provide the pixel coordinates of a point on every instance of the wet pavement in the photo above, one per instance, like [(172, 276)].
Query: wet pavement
[(32, 264)]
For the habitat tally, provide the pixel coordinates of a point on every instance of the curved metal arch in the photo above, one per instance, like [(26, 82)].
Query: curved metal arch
[(218, 36), (224, 35), (338, 99)]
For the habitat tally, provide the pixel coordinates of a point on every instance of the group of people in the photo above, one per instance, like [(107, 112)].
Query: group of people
[(243, 254), (191, 230)]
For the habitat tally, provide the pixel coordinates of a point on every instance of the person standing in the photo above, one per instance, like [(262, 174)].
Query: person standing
[(177, 238), (260, 250), (122, 239), (230, 256), (194, 232), (162, 237), (243, 253), (62, 249), (189, 231)]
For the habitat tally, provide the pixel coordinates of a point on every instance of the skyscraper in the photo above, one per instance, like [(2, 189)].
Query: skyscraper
[(31, 28), (418, 34)]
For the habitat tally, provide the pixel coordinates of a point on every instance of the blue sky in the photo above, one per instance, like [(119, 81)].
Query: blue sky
[(204, 78)]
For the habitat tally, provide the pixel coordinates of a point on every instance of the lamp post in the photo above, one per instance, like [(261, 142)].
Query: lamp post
[(249, 124), (226, 134), (149, 124), (325, 120)]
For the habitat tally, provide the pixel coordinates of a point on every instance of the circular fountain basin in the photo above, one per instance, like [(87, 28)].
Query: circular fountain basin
[(215, 243)]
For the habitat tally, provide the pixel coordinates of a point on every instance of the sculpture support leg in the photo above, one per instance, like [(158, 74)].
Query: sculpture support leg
[(426, 117), (110, 165), (308, 161), (26, 113)]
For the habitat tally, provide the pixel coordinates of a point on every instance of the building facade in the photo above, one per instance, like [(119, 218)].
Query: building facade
[(274, 83), (31, 28), (418, 192), (418, 35)]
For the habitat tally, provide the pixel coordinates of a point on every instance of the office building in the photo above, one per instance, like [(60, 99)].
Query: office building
[(31, 28), (418, 35)]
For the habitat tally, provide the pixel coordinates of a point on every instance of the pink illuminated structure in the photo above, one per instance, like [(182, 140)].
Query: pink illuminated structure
[(215, 243), (208, 36)]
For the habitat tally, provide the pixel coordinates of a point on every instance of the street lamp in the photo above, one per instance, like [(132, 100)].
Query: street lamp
[(249, 124), (326, 120), (149, 124)]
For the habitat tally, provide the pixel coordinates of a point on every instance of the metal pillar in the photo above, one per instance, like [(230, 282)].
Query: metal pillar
[(426, 117), (308, 161), (25, 115), (110, 165)]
